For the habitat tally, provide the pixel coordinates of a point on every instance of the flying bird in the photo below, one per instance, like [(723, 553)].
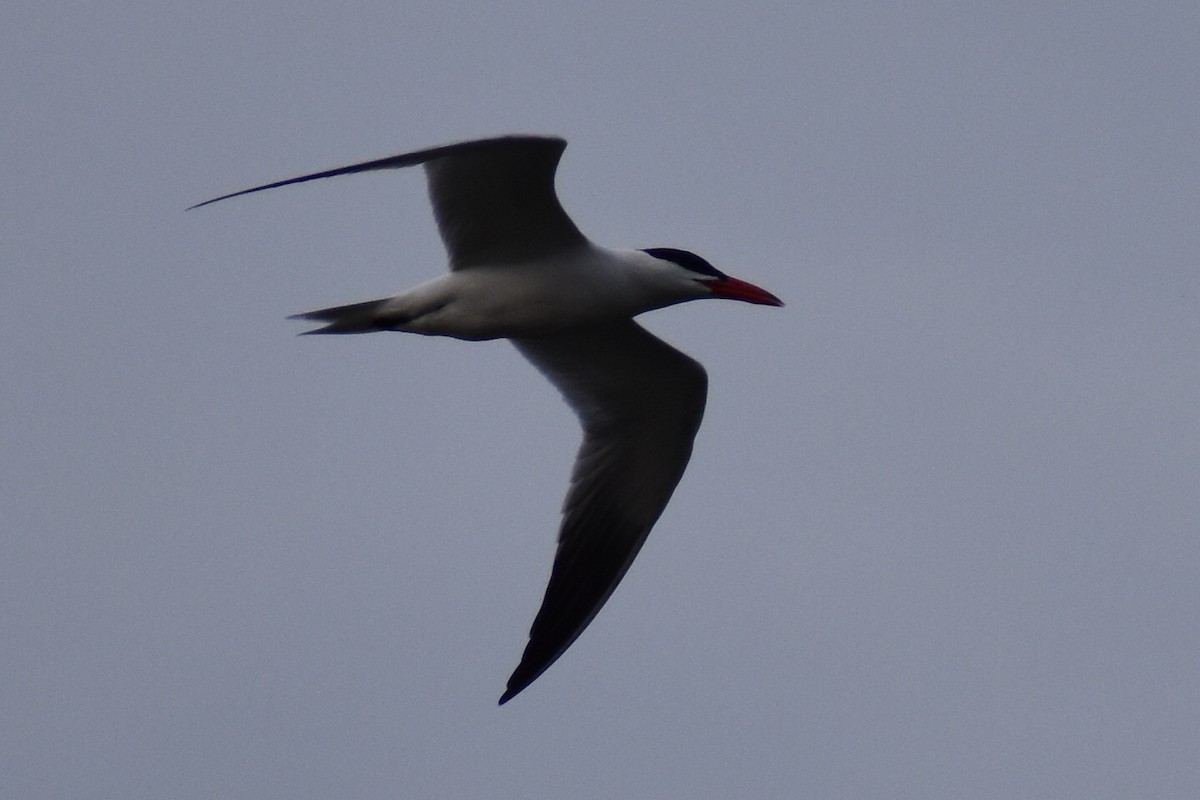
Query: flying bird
[(521, 270)]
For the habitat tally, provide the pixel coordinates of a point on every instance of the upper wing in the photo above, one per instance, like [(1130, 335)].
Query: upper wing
[(493, 199), (640, 402)]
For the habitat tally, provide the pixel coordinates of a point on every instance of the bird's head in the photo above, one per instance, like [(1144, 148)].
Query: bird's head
[(707, 280)]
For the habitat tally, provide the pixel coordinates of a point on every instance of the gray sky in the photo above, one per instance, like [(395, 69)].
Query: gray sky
[(939, 534)]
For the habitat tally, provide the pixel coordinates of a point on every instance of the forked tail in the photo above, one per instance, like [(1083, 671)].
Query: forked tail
[(354, 318)]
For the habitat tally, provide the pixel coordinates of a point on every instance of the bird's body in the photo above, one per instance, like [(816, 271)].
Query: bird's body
[(520, 269), (583, 286)]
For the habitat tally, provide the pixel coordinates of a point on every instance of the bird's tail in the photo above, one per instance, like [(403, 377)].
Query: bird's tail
[(354, 318)]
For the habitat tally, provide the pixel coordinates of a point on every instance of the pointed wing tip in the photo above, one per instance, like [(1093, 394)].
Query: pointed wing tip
[(222, 197), (518, 683), (528, 671)]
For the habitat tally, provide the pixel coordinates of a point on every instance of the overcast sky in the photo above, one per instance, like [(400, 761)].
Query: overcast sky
[(939, 536)]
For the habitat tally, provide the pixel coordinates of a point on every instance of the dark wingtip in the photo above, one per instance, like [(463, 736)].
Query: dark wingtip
[(244, 191), (239, 194), (512, 691), (525, 674)]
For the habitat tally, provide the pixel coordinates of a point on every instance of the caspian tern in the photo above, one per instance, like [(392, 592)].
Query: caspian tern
[(521, 270)]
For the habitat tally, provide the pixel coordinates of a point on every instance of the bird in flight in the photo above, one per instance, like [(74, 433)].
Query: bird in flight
[(521, 270)]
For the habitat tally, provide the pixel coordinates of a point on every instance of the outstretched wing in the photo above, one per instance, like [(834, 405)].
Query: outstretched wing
[(493, 199), (640, 402)]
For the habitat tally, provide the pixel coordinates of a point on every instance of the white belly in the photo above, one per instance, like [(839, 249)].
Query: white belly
[(522, 300)]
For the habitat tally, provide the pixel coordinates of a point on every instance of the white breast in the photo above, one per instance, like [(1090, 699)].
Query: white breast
[(582, 287)]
